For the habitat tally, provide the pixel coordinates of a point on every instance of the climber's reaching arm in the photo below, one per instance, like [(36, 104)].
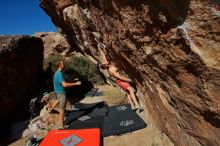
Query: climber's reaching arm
[(113, 72), (103, 58)]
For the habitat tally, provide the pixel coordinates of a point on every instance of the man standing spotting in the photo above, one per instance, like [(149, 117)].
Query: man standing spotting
[(59, 89)]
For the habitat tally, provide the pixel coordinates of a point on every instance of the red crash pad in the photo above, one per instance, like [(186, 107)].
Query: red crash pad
[(81, 137)]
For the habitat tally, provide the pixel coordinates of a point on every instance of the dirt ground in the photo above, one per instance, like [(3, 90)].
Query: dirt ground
[(149, 136)]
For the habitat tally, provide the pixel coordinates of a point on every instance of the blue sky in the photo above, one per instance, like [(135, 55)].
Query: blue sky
[(23, 17)]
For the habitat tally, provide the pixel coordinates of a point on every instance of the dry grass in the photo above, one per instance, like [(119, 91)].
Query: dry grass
[(112, 95)]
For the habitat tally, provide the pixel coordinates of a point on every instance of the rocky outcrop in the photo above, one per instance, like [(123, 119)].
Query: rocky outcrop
[(54, 43), (21, 61), (170, 49)]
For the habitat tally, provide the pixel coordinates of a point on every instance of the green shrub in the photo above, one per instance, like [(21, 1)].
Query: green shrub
[(79, 65), (85, 67)]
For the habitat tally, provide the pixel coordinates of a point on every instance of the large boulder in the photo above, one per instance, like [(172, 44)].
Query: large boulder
[(169, 48), (21, 62), (54, 43)]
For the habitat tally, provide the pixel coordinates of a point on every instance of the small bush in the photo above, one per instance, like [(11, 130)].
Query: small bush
[(79, 66), (85, 68)]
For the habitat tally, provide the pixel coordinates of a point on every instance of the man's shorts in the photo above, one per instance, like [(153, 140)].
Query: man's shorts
[(62, 100), (122, 84)]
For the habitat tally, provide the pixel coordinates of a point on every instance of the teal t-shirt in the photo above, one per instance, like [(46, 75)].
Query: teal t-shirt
[(57, 80)]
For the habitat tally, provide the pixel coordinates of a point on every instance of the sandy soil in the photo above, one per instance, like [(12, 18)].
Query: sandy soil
[(149, 136)]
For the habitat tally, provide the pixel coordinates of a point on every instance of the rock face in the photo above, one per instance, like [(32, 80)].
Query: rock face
[(21, 60), (169, 48), (54, 43)]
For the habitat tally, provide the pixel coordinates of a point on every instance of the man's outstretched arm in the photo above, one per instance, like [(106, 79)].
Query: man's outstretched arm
[(65, 84)]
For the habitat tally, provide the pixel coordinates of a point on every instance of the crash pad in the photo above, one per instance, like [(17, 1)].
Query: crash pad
[(121, 119), (82, 137)]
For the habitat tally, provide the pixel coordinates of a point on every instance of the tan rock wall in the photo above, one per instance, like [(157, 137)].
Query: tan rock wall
[(54, 43)]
